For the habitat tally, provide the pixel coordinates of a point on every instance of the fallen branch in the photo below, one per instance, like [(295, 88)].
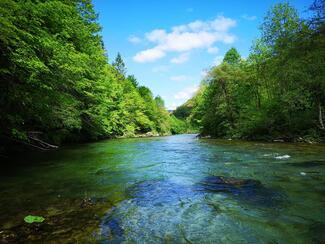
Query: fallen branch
[(43, 143)]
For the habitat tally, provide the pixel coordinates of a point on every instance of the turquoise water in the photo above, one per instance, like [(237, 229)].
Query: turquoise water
[(175, 189)]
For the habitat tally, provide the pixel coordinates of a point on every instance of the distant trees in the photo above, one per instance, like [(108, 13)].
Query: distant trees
[(183, 111), (279, 91)]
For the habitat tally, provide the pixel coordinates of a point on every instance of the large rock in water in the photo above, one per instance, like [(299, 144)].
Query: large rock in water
[(248, 190)]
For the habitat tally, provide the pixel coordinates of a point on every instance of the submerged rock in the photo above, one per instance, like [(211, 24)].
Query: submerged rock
[(7, 236), (316, 231), (231, 185), (279, 140), (154, 208), (112, 230), (86, 202), (70, 218), (158, 209), (248, 190), (158, 192)]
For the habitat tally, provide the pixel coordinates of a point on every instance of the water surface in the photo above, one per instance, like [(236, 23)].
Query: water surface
[(175, 189)]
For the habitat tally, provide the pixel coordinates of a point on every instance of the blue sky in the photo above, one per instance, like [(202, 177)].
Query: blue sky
[(168, 44)]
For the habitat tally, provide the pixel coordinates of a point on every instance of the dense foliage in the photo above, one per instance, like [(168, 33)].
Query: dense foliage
[(55, 77), (190, 112), (278, 92)]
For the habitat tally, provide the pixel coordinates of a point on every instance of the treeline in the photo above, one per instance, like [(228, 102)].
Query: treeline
[(278, 92), (56, 79)]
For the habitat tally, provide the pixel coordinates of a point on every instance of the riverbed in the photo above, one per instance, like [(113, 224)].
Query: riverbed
[(174, 189)]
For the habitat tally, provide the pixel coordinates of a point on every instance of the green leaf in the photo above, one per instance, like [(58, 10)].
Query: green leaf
[(31, 219)]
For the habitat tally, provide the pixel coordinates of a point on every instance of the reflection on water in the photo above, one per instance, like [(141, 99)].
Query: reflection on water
[(168, 189)]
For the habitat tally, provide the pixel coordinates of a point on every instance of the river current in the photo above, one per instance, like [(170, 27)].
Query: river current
[(174, 189)]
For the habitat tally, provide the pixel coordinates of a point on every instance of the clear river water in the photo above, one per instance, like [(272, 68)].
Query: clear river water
[(174, 189)]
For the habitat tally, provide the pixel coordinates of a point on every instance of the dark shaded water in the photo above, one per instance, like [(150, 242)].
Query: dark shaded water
[(175, 189)]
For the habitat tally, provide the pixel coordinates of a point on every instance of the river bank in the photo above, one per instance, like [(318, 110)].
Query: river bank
[(279, 139), (9, 146)]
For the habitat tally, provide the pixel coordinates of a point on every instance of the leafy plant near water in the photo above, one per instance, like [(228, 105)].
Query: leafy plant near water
[(33, 219)]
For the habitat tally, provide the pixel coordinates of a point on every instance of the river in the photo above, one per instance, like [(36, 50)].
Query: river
[(175, 189)]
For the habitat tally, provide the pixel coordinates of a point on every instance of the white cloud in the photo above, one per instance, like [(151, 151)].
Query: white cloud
[(213, 50), (160, 68), (156, 35), (179, 78), (148, 55), (186, 93), (247, 17), (182, 58), (134, 39), (183, 38), (220, 24), (217, 60)]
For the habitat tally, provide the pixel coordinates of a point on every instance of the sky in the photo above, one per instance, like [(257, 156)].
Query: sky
[(169, 45)]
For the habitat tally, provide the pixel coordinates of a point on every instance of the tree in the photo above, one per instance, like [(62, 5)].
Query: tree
[(133, 80), (119, 64), (317, 21), (280, 26), (232, 57), (159, 102)]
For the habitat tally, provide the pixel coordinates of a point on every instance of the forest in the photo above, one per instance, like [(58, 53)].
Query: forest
[(277, 92), (57, 82)]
